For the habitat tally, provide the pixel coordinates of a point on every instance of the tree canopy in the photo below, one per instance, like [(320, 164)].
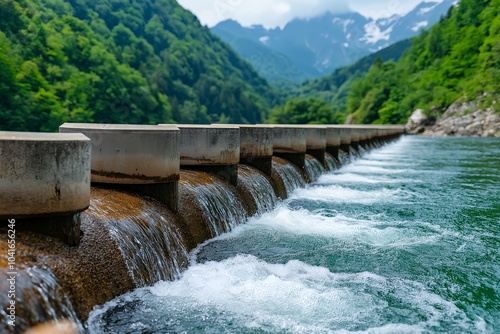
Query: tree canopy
[(458, 57), (124, 61)]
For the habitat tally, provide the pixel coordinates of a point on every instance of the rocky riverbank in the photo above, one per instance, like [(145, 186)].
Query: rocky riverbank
[(462, 118)]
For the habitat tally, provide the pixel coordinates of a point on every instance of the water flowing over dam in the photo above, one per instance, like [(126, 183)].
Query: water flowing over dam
[(368, 239)]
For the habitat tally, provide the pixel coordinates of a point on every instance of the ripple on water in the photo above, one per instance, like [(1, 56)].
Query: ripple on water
[(374, 232), (339, 194), (244, 294), (399, 242)]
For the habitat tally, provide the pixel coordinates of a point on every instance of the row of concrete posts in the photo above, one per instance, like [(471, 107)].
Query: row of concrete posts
[(45, 178)]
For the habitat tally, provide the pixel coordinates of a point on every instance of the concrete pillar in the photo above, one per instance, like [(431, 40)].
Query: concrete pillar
[(366, 132), (367, 136), (289, 142), (345, 140), (391, 131), (45, 182), (256, 146), (316, 141), (355, 137), (372, 135), (140, 158), (362, 136), (345, 137), (333, 140), (211, 148)]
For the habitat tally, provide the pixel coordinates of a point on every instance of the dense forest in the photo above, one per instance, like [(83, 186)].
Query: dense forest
[(151, 61), (458, 57), (277, 68), (329, 93), (122, 61)]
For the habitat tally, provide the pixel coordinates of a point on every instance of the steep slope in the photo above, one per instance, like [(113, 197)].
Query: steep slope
[(127, 61), (334, 88), (322, 44), (423, 16), (457, 58), (277, 68)]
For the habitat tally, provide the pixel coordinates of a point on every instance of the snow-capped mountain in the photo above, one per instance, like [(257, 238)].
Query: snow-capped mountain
[(319, 45)]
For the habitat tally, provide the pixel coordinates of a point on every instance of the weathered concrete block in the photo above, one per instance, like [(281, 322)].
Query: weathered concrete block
[(289, 142), (131, 154), (333, 139), (333, 136), (387, 132), (202, 145), (355, 134), (211, 148), (141, 158), (382, 132), (45, 181), (256, 146), (373, 133), (365, 132), (363, 135), (345, 136), (256, 141), (315, 141), (43, 174)]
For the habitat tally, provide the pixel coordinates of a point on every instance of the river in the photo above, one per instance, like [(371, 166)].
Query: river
[(403, 240)]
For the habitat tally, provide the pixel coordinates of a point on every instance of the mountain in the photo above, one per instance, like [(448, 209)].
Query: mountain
[(425, 15), (274, 64), (456, 62), (334, 88), (128, 61), (319, 45)]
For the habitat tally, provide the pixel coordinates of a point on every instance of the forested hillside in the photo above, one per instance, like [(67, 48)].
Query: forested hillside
[(277, 68), (122, 61), (326, 98), (459, 57)]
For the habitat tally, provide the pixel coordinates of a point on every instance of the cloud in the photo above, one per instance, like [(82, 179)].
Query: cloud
[(272, 13), (265, 12)]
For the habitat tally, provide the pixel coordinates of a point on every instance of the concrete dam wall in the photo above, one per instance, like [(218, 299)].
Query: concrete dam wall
[(98, 210)]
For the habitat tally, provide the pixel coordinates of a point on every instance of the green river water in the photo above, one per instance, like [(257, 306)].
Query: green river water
[(403, 240)]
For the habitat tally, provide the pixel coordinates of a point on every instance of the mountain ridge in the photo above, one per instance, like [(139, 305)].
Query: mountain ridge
[(319, 45), (128, 61)]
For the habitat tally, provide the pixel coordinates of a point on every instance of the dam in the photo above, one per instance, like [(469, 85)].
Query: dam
[(165, 208)]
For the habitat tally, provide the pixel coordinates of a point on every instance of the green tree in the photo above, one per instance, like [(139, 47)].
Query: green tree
[(307, 111)]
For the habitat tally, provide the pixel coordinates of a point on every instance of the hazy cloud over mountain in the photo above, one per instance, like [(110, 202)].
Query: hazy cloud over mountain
[(277, 13)]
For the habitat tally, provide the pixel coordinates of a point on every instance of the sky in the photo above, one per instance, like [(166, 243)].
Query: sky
[(273, 13)]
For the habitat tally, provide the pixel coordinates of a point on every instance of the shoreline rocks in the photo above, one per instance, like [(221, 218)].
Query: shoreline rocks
[(462, 118)]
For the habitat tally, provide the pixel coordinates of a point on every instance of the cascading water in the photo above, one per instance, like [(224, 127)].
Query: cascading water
[(260, 188), (151, 245), (154, 242), (313, 168), (362, 151), (331, 163), (344, 158), (402, 241), (39, 299), (354, 153), (221, 207), (289, 173)]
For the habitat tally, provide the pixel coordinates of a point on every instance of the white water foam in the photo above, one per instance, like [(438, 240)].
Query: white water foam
[(375, 232), (300, 298), (353, 178), (376, 162), (339, 194), (370, 169)]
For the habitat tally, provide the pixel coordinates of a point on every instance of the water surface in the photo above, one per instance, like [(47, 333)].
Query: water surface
[(403, 240)]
